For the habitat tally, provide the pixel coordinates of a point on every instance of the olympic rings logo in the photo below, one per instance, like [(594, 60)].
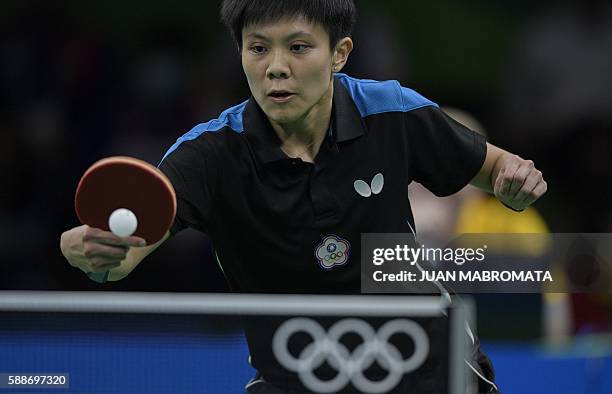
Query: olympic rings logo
[(333, 254), (326, 346), (333, 251)]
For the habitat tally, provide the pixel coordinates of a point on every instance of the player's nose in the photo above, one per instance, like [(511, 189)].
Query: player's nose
[(278, 66)]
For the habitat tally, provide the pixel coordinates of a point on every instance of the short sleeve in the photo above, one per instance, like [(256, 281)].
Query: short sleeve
[(445, 155), (192, 171)]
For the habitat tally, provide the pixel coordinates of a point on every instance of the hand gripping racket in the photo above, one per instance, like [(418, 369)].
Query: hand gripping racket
[(122, 185)]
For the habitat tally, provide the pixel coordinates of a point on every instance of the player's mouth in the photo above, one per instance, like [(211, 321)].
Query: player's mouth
[(280, 96)]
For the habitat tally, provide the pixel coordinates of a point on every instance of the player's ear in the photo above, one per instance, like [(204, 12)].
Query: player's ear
[(341, 53)]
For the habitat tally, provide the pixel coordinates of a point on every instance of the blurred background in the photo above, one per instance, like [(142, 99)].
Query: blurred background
[(81, 80)]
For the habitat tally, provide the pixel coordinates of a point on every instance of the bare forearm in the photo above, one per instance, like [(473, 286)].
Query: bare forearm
[(485, 179)]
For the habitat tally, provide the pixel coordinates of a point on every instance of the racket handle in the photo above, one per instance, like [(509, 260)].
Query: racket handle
[(99, 277)]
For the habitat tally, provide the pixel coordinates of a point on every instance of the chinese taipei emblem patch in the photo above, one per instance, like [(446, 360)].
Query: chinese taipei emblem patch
[(333, 251)]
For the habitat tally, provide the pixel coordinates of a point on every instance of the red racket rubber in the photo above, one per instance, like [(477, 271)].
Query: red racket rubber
[(125, 182)]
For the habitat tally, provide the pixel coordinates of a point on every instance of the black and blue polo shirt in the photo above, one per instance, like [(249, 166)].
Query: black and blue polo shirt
[(281, 225)]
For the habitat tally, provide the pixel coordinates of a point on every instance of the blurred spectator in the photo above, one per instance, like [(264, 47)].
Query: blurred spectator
[(473, 211)]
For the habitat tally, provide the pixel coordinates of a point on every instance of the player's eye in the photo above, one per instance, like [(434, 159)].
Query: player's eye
[(257, 49), (299, 48)]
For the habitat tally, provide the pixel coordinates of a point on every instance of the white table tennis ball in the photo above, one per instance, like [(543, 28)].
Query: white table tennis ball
[(122, 222)]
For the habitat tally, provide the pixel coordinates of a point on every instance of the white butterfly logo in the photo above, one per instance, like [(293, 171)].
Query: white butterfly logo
[(365, 190)]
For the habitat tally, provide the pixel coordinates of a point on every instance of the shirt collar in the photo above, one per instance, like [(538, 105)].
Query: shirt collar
[(346, 125)]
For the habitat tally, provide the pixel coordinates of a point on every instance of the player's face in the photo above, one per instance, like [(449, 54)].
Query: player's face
[(288, 65)]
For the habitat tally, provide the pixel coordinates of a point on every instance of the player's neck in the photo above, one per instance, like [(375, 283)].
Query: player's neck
[(304, 137)]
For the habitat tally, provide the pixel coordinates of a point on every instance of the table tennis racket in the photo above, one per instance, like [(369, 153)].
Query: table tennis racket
[(122, 182)]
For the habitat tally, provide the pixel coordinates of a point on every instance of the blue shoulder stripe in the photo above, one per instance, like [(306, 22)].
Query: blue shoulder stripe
[(231, 117), (374, 97)]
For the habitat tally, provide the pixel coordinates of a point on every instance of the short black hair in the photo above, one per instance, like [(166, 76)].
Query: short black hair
[(337, 16)]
